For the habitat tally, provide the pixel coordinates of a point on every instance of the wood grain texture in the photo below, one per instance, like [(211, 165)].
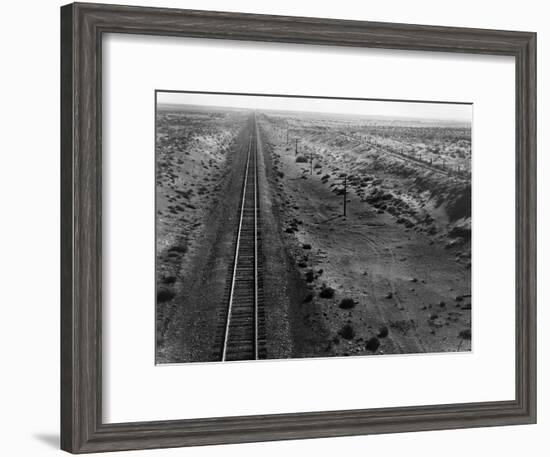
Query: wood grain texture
[(82, 28)]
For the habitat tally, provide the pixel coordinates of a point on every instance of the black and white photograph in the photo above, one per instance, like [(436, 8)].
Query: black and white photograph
[(300, 227), (277, 228)]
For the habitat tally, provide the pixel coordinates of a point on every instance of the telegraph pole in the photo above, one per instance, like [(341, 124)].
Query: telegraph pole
[(296, 153)]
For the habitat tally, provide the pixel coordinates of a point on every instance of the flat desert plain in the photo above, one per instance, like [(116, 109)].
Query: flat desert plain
[(365, 231)]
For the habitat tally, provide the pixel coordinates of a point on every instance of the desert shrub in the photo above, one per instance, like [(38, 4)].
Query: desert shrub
[(169, 279), (185, 194), (180, 249), (301, 159), (164, 295), (317, 165), (308, 298), (326, 292), (384, 332), (406, 222), (306, 246), (347, 303), (403, 326), (465, 334), (347, 332), (373, 344), (310, 276)]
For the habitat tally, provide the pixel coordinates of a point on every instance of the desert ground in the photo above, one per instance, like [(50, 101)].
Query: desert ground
[(390, 276)]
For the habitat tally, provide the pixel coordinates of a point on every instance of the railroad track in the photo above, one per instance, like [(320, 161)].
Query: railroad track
[(241, 332)]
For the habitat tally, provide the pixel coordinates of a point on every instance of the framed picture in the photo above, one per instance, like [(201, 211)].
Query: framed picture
[(284, 227)]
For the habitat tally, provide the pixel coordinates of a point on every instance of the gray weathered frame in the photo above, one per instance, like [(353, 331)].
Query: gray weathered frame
[(82, 28)]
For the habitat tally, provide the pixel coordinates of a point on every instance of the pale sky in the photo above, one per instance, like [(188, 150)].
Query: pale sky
[(416, 110)]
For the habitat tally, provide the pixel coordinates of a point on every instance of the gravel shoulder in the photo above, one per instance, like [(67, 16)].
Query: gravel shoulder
[(290, 331)]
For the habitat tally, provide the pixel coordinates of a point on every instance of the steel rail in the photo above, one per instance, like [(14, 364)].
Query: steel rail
[(236, 260)]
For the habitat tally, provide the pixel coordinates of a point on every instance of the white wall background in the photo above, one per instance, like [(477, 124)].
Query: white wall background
[(29, 241)]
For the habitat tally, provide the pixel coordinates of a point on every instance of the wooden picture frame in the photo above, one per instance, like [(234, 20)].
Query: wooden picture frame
[(82, 28)]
